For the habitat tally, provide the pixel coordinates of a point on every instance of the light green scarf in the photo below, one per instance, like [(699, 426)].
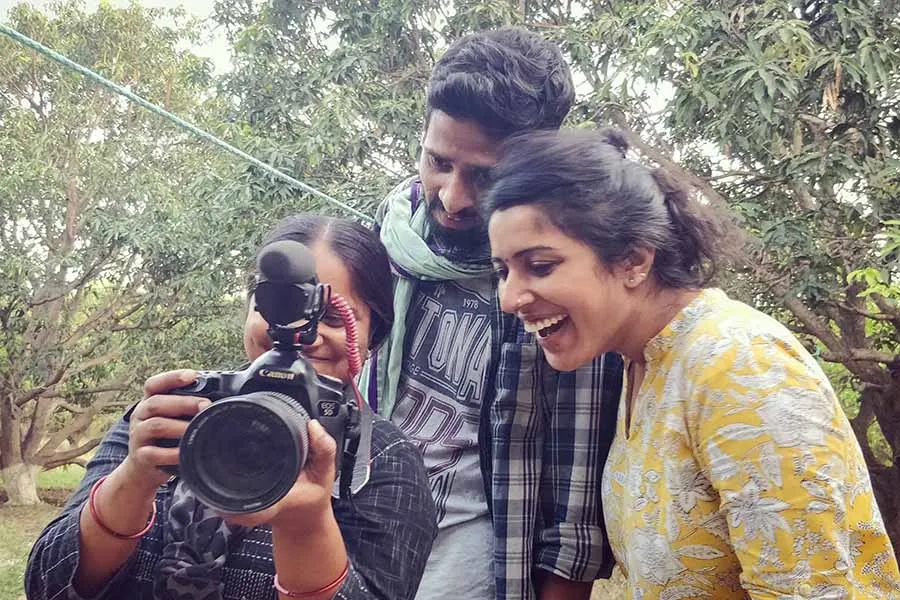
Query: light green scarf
[(404, 234)]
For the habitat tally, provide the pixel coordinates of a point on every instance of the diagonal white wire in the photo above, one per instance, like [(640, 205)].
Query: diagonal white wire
[(200, 133)]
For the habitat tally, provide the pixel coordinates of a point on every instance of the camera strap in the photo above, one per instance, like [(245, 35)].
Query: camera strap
[(357, 454)]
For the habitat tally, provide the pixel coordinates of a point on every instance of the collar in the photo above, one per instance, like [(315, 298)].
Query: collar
[(686, 320)]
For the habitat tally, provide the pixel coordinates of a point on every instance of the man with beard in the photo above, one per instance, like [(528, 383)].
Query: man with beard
[(512, 447)]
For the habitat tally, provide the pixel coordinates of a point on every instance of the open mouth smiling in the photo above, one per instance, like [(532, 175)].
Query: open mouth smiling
[(545, 326)]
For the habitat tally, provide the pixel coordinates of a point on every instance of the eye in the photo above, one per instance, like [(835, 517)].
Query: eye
[(439, 163), (332, 318), (500, 272), (541, 269), (481, 178)]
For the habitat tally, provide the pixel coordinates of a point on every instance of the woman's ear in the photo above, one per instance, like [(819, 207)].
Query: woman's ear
[(635, 270)]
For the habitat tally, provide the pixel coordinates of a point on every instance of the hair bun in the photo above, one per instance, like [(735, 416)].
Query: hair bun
[(614, 138)]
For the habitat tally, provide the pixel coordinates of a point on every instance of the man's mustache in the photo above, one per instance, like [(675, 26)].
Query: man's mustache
[(467, 214)]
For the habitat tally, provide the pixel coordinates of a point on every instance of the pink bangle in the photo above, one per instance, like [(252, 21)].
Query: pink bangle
[(331, 587), (96, 516)]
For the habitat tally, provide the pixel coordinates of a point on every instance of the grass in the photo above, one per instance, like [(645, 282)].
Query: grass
[(20, 526), (66, 478)]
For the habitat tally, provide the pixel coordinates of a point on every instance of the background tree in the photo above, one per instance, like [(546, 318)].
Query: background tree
[(112, 261), (330, 92)]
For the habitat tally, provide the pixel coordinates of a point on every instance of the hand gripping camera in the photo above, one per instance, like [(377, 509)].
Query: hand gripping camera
[(244, 452)]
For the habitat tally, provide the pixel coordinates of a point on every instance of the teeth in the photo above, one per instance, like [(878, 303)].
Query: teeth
[(535, 326)]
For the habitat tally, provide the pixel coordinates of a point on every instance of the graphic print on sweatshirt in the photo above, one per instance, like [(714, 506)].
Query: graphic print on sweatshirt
[(445, 365)]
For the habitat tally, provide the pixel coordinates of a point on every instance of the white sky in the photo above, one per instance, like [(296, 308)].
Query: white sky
[(216, 48)]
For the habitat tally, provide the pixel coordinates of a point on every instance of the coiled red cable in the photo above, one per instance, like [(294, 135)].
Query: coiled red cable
[(346, 314), (354, 361)]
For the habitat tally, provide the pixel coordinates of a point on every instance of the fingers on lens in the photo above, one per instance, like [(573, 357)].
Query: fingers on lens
[(320, 440)]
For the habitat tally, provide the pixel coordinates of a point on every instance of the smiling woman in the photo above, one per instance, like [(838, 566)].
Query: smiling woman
[(542, 280), (734, 472)]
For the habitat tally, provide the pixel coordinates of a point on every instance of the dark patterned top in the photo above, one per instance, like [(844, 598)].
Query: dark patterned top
[(388, 528)]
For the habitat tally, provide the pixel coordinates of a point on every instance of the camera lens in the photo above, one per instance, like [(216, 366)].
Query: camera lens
[(243, 454)]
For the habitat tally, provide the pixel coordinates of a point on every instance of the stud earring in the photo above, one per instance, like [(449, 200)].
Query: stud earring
[(638, 277)]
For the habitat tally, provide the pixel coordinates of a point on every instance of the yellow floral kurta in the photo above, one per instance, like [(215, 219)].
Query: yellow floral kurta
[(740, 476)]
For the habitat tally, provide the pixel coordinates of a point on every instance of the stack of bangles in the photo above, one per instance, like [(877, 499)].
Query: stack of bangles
[(330, 588), (95, 515)]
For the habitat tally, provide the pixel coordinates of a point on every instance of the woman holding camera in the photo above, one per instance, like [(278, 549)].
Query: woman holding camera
[(734, 472), (131, 531)]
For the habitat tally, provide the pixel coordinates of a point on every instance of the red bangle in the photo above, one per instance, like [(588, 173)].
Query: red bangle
[(334, 585), (96, 516)]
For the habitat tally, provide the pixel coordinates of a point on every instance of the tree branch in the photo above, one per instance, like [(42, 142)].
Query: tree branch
[(118, 386), (79, 424), (39, 391), (78, 283), (63, 373), (107, 312), (865, 313), (811, 321), (72, 408), (93, 362), (857, 354), (889, 307), (68, 457)]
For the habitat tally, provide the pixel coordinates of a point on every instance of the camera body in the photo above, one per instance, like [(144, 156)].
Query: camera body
[(244, 452)]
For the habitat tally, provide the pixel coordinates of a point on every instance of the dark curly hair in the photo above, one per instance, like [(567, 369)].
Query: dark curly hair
[(506, 80)]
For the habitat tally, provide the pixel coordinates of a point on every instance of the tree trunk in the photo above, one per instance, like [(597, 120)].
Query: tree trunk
[(886, 480), (20, 481), (885, 483)]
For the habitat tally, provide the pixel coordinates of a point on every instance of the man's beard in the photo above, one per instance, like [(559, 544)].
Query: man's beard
[(463, 245)]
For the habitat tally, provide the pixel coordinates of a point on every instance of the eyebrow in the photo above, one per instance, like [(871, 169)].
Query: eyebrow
[(523, 252), (476, 167), (434, 153)]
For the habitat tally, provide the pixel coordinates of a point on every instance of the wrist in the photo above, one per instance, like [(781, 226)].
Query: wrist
[(100, 522), (128, 484), (318, 543), (137, 480), (312, 522), (119, 508), (326, 591)]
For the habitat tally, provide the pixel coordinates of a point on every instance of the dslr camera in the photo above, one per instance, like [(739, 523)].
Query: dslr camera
[(244, 452)]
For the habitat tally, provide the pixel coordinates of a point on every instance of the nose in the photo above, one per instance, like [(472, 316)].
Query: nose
[(457, 195), (513, 295), (316, 343)]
